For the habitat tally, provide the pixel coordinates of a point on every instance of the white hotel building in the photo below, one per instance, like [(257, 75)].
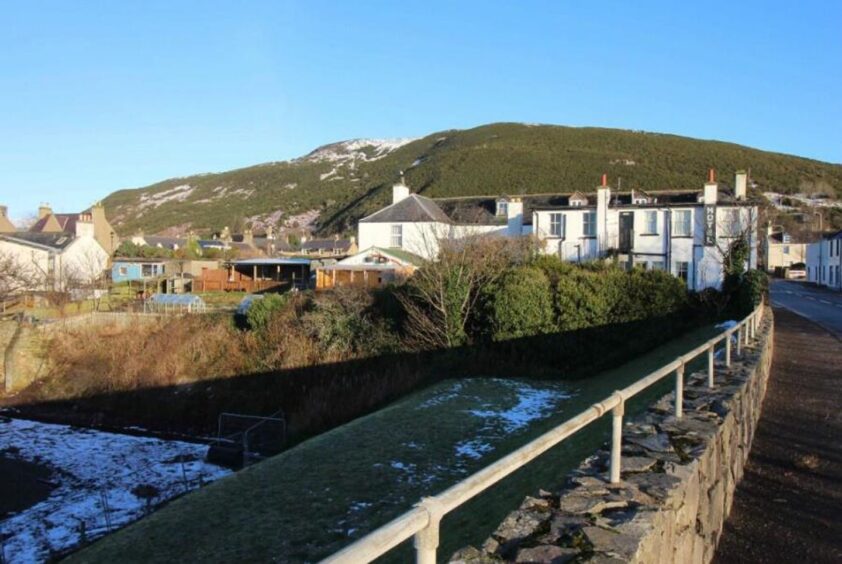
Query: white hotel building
[(684, 231)]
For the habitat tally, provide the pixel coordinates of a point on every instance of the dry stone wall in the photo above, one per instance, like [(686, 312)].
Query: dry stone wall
[(677, 482)]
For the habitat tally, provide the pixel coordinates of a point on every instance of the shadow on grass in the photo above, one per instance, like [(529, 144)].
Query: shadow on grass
[(318, 398)]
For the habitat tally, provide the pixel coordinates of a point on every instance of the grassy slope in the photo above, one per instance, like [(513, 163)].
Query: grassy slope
[(491, 159), (297, 505)]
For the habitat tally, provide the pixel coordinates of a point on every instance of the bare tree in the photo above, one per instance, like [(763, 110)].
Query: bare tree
[(16, 277), (441, 297)]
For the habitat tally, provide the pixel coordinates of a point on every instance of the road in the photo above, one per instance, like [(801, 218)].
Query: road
[(819, 305)]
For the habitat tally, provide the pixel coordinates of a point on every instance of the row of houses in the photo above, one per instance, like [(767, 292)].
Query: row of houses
[(685, 232), (824, 261)]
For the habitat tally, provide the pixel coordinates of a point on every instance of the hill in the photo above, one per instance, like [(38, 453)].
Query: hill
[(329, 189)]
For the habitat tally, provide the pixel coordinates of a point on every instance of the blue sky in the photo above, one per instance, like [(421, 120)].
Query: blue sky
[(98, 96)]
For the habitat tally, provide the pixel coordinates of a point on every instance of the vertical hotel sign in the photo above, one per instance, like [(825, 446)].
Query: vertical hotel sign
[(710, 226)]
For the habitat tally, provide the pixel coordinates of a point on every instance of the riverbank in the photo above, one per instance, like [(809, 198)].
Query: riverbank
[(66, 486), (319, 496)]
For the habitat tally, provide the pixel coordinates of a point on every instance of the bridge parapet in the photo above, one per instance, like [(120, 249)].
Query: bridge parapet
[(677, 478)]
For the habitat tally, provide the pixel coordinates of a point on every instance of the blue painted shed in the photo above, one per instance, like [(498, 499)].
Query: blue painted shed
[(126, 270)]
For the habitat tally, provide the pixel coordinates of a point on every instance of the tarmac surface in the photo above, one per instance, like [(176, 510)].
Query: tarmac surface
[(813, 302), (788, 506)]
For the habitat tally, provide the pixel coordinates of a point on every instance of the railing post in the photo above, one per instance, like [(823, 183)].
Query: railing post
[(427, 539), (679, 391), (710, 366), (746, 332), (728, 349), (739, 339), (617, 439)]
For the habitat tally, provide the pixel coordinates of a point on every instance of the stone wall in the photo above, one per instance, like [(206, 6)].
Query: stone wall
[(677, 482), (24, 358), (7, 333)]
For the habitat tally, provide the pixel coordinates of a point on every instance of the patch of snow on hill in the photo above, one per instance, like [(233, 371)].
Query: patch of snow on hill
[(777, 200), (176, 194), (354, 150)]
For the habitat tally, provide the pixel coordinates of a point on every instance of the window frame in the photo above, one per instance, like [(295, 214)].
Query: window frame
[(586, 216), (678, 269), (647, 228), (676, 223), (557, 233), (396, 234)]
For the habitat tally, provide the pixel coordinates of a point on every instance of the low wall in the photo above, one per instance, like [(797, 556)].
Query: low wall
[(678, 480), (24, 358)]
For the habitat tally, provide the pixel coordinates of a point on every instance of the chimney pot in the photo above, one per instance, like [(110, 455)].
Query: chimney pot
[(604, 180), (712, 175)]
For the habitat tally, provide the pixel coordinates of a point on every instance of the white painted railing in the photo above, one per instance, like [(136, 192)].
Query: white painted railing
[(422, 521)]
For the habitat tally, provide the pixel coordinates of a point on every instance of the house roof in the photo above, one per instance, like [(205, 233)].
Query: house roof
[(272, 261), (165, 242), (52, 241), (333, 244), (413, 208), (399, 254)]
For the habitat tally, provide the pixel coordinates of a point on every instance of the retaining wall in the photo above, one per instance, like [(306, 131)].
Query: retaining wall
[(678, 480)]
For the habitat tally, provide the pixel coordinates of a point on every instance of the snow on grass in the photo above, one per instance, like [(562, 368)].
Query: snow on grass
[(532, 403), (474, 449), (96, 474)]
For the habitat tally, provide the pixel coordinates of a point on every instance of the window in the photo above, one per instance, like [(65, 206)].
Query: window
[(502, 208), (651, 225), (682, 226), (682, 269), (146, 270), (397, 236), (589, 224), (732, 227), (122, 270), (657, 265), (557, 225)]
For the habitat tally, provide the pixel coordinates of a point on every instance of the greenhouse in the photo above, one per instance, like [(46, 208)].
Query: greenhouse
[(175, 303)]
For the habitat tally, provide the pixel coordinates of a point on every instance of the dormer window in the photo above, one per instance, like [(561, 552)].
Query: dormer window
[(577, 200), (502, 208)]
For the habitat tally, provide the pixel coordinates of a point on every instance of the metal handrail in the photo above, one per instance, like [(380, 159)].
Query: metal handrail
[(422, 521)]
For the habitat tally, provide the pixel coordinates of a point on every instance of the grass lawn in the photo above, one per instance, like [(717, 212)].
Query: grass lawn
[(308, 502)]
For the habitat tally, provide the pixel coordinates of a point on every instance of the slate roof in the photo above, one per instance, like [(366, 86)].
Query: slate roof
[(413, 208), (330, 244), (164, 242), (55, 241)]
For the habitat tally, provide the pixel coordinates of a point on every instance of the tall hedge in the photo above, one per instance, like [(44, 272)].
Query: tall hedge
[(520, 304)]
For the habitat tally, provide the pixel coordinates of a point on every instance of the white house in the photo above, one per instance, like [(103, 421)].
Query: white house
[(687, 232), (56, 261), (824, 261)]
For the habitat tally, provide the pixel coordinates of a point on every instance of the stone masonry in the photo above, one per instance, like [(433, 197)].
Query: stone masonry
[(677, 482)]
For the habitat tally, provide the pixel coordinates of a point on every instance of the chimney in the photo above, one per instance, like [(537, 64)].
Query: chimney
[(44, 210), (4, 211), (514, 216), (711, 189), (84, 226), (399, 192), (225, 236), (740, 184), (248, 237), (270, 232)]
